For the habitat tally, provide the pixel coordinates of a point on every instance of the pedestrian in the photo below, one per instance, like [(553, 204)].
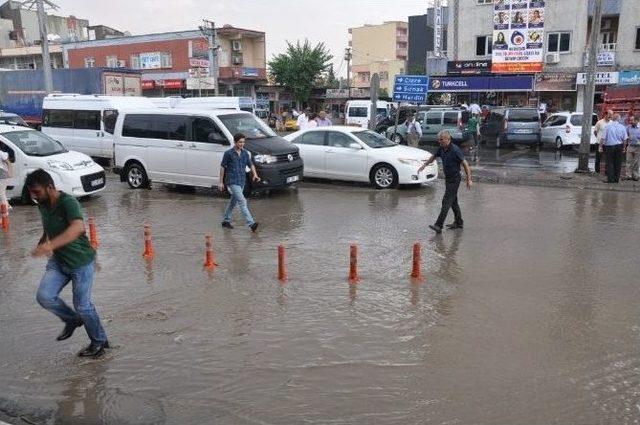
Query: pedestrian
[(474, 108), (71, 259), (474, 128), (414, 131), (233, 176), (303, 119), (615, 137), (313, 121), (323, 120), (599, 131), (452, 157), (5, 175), (632, 149)]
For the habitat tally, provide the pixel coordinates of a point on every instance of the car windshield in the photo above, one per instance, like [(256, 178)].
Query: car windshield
[(524, 115), (34, 143), (246, 124), (373, 139), (12, 120)]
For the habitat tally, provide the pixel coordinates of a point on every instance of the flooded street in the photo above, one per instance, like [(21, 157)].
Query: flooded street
[(527, 316)]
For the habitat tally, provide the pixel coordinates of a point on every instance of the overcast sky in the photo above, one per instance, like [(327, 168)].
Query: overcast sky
[(323, 20)]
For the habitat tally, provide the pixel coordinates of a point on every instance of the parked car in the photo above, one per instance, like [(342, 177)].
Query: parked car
[(358, 112), (185, 147), (433, 121), (356, 154), (9, 118), (565, 128), (73, 172), (508, 126)]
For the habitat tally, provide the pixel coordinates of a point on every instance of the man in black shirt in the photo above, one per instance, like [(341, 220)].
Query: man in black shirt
[(452, 157)]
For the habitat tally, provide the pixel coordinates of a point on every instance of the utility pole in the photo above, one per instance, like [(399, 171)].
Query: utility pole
[(456, 10), (209, 31), (44, 39), (347, 57), (589, 90)]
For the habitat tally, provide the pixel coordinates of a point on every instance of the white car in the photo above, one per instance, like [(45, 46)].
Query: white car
[(565, 129), (356, 154), (73, 172)]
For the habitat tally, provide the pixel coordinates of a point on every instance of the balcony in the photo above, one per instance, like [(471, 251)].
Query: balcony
[(609, 47), (401, 53), (242, 73), (401, 37)]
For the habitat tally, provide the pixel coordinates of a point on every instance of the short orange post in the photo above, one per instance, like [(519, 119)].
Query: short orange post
[(282, 267), (93, 234), (353, 264), (5, 217), (148, 244), (416, 272), (209, 259)]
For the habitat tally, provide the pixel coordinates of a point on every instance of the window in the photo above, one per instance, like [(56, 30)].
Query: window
[(433, 118), (638, 38), (202, 127), (315, 138), (166, 61), (57, 118), (339, 140), (149, 126), (35, 143), (576, 119), (246, 124), (112, 61), (384, 76), (87, 120), (237, 58), (110, 116), (557, 120), (480, 2), (358, 112), (483, 45), (177, 127), (135, 61), (450, 118), (90, 62), (524, 115), (558, 42)]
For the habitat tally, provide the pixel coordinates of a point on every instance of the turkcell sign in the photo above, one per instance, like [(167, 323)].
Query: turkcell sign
[(481, 84), (410, 88)]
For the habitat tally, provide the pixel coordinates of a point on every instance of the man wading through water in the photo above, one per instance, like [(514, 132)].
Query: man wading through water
[(452, 157), (71, 259)]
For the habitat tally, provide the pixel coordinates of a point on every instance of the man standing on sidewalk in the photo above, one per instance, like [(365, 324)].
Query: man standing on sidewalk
[(599, 131), (414, 131), (232, 176), (615, 136), (452, 157), (303, 119), (632, 149), (71, 259)]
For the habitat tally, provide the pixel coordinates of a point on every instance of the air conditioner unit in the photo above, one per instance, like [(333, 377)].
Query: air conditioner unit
[(552, 58), (237, 45)]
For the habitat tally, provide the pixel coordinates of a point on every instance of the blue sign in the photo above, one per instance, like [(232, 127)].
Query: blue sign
[(481, 84), (250, 72), (410, 88), (629, 78)]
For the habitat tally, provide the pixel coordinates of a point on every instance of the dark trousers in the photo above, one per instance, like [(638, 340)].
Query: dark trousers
[(450, 201), (614, 162), (597, 164)]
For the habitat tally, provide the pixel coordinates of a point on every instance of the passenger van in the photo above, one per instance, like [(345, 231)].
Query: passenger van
[(185, 147), (508, 126), (432, 121), (77, 121), (208, 103), (358, 112), (73, 172)]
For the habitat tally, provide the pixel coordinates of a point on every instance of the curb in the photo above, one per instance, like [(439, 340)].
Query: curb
[(568, 183)]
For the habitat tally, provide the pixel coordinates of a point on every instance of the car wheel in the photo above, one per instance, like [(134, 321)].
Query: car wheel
[(558, 143), (136, 176), (384, 176), (397, 138)]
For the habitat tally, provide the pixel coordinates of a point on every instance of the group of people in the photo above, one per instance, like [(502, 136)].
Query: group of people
[(307, 119), (616, 140)]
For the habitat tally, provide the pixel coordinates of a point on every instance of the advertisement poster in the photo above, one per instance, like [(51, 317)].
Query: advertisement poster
[(518, 36)]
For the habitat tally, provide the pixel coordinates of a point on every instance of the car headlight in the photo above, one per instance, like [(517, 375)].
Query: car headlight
[(410, 161), (265, 159), (59, 165)]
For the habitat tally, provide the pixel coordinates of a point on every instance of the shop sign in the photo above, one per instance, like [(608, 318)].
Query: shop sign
[(468, 67), (555, 81), (151, 60), (629, 78), (198, 63), (205, 83), (481, 84), (113, 85), (198, 72), (132, 86), (250, 72), (337, 94), (148, 85), (262, 100), (606, 59), (602, 78), (171, 84), (359, 93)]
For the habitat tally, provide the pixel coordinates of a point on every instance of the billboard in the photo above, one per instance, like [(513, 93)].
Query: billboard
[(518, 36)]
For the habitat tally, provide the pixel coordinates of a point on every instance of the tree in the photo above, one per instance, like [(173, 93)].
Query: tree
[(331, 81), (383, 93), (300, 67)]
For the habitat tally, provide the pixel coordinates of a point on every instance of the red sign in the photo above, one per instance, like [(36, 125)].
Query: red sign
[(516, 67), (148, 85), (173, 84)]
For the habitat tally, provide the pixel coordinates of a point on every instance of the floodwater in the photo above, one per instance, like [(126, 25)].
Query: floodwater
[(527, 316)]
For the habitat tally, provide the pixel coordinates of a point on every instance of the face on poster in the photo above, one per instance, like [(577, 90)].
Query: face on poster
[(536, 18)]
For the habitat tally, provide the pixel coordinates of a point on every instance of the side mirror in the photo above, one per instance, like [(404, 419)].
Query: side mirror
[(215, 137), (355, 146)]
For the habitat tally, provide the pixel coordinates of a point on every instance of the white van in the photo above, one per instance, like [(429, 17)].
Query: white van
[(207, 103), (73, 172), (358, 112), (77, 121), (185, 147)]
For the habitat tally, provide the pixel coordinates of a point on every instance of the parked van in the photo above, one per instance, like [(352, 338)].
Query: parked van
[(208, 103), (508, 126), (432, 121), (73, 172), (185, 147), (77, 121), (358, 112), (565, 129)]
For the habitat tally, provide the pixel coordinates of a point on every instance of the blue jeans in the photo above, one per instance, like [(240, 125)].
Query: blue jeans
[(237, 198), (55, 278)]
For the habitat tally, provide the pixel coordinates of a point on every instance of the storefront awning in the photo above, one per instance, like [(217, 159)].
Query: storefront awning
[(514, 83)]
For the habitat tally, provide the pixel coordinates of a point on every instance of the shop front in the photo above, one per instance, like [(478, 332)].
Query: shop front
[(556, 91), (169, 84), (497, 90)]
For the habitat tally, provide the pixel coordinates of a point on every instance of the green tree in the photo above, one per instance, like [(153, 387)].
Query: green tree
[(300, 67), (383, 92), (331, 81)]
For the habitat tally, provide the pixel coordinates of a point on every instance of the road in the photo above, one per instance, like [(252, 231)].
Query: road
[(528, 315)]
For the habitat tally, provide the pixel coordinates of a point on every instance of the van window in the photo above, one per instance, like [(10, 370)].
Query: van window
[(433, 118), (59, 118), (450, 118), (109, 117), (576, 119), (556, 120), (202, 127), (496, 116), (358, 112), (150, 126), (87, 120), (524, 115), (315, 138)]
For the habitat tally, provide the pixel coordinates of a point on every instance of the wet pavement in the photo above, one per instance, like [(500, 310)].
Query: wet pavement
[(527, 316)]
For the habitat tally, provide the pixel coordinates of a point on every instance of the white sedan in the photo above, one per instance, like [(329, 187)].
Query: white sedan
[(356, 154)]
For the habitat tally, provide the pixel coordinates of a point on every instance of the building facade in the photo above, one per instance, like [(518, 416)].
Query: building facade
[(176, 63), (381, 49), (567, 26), (421, 39)]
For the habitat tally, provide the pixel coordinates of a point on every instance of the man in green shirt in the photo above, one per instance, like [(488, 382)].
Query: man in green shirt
[(474, 128), (71, 259)]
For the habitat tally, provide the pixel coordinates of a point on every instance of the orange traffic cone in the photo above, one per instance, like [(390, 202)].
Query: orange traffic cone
[(282, 267), (4, 211), (93, 234), (353, 264), (148, 244), (209, 259), (416, 272)]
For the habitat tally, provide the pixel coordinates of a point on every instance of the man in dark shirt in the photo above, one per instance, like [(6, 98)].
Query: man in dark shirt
[(233, 175), (71, 259), (452, 157)]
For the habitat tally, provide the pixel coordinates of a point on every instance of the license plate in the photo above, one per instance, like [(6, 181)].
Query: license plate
[(293, 179), (523, 131), (97, 182)]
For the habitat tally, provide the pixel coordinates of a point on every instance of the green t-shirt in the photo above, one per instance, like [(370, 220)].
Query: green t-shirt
[(55, 221), (472, 125)]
